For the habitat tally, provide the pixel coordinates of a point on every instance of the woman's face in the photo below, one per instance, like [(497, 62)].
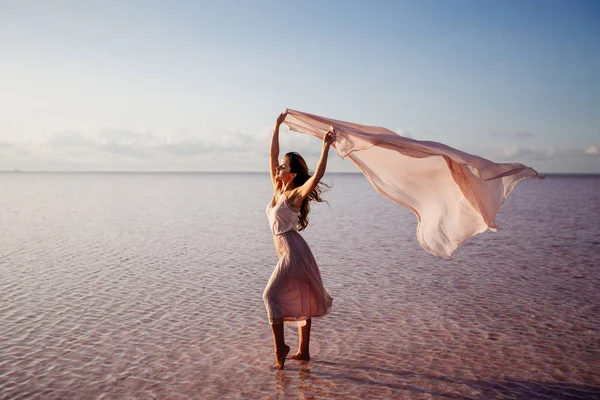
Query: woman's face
[(283, 172)]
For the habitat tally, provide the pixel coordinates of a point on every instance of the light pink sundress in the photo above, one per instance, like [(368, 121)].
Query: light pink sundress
[(295, 291)]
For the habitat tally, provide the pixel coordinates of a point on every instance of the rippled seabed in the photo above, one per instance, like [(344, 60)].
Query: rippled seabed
[(150, 286)]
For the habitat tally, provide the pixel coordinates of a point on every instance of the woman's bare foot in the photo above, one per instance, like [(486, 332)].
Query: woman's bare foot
[(281, 355), (300, 356)]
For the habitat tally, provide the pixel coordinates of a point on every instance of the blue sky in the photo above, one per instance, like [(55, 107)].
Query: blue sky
[(146, 86)]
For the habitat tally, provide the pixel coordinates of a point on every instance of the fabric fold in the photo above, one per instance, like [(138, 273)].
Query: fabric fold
[(455, 195)]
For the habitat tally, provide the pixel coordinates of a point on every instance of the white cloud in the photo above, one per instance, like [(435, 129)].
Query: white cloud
[(594, 150), (126, 149), (237, 141), (68, 138), (400, 132), (143, 143), (215, 149), (512, 152), (523, 154)]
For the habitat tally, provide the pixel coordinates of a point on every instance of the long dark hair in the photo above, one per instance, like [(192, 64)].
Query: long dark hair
[(298, 166)]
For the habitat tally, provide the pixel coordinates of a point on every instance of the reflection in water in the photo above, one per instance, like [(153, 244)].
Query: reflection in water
[(304, 386), (282, 380), (286, 386)]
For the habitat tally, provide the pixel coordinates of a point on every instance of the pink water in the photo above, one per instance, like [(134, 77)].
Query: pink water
[(130, 286)]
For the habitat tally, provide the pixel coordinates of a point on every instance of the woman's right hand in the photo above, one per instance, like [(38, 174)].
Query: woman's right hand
[(329, 137), (281, 117)]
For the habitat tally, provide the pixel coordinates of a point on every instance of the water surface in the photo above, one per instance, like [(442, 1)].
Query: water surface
[(116, 286)]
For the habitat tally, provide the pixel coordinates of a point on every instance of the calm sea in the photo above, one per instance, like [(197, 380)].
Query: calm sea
[(135, 286)]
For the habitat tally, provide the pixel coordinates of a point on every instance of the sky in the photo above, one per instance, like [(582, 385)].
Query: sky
[(197, 85)]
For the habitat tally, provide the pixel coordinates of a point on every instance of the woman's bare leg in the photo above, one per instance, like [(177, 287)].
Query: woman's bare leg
[(281, 349), (303, 342)]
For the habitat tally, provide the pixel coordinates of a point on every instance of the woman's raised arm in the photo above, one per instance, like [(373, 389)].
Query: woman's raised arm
[(314, 180), (274, 152)]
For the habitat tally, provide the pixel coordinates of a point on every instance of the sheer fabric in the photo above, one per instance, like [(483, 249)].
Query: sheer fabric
[(454, 195)]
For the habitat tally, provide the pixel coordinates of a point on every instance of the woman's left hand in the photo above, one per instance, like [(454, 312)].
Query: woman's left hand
[(281, 117), (329, 137)]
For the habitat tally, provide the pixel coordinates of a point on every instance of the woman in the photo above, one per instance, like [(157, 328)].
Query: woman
[(295, 292)]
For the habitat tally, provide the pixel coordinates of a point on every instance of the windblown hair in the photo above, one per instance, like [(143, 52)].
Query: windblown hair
[(298, 166)]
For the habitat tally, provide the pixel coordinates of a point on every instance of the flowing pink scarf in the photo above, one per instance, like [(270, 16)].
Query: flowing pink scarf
[(455, 195)]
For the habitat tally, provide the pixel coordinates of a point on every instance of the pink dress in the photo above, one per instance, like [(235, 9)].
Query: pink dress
[(295, 291)]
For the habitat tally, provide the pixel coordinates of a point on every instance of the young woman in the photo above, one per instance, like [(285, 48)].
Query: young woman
[(295, 292)]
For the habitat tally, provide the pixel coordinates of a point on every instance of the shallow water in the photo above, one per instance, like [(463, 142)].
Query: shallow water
[(121, 286)]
